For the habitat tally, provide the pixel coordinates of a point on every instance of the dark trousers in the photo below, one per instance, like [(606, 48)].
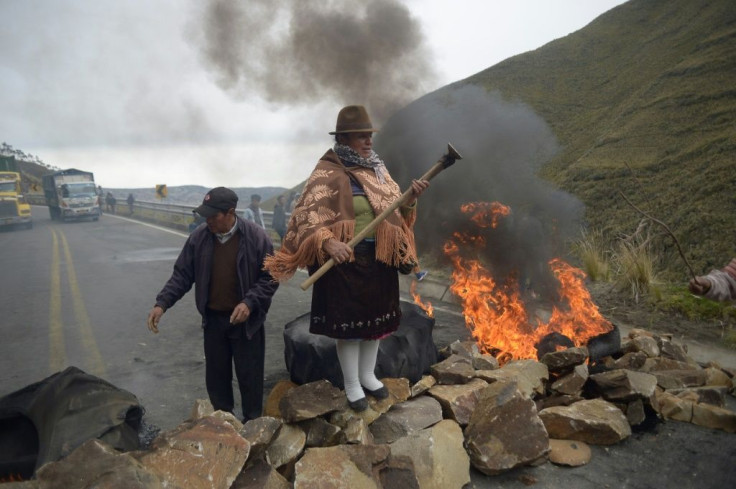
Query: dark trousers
[(226, 345)]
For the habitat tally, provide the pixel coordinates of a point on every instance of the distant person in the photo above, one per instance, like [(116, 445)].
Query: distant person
[(100, 198), (290, 201), (253, 211), (110, 200), (130, 200), (224, 261), (279, 218), (718, 285)]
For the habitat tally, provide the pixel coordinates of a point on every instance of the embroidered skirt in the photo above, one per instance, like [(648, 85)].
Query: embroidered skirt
[(358, 300)]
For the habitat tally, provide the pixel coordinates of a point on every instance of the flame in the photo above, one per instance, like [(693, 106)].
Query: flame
[(426, 306), (494, 310), (11, 478)]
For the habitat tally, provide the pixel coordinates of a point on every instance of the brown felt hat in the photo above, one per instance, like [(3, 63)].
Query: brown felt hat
[(353, 118)]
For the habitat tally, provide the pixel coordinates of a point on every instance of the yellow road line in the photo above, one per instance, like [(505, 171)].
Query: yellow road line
[(97, 366), (57, 351)]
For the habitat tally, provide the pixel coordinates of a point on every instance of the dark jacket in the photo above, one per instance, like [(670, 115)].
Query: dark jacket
[(194, 266)]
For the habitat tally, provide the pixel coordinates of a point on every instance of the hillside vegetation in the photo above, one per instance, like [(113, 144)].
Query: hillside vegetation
[(643, 102)]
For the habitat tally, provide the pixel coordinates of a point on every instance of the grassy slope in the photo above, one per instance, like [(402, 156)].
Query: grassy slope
[(643, 100)]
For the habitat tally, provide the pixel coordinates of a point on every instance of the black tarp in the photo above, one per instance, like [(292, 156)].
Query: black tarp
[(407, 353), (45, 421)]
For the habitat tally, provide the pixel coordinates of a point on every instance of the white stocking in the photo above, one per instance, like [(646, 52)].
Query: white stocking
[(348, 352), (367, 372)]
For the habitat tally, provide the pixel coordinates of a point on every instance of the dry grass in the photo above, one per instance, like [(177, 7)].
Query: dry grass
[(592, 250)]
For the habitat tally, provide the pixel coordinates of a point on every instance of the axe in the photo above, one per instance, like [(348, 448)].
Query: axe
[(447, 160)]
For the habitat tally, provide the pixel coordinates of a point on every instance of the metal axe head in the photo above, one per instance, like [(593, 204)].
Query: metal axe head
[(451, 156)]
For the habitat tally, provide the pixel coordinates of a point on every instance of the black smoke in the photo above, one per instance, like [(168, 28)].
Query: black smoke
[(503, 144), (302, 52)]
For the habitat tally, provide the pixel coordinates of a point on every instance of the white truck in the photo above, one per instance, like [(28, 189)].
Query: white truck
[(71, 194)]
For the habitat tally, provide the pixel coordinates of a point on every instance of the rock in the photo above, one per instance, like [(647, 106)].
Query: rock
[(201, 408), (96, 464), (228, 418), (635, 413), (485, 362), (565, 360), (458, 401), (675, 352), (344, 466), (406, 418), (438, 456), (260, 432), (530, 376), (311, 400), (631, 361), (321, 433), (271, 407), (455, 369), (504, 431), (596, 421), (556, 400), (717, 377), (260, 475), (208, 453), (713, 395), (398, 473), (673, 407), (572, 383), (644, 344), (714, 417), (287, 446), (398, 391), (652, 365), (356, 432), (624, 385), (467, 349), (677, 379), (569, 452), (536, 373), (424, 384)]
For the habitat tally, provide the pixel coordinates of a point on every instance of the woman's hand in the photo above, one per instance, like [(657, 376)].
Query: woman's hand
[(338, 251), (417, 187)]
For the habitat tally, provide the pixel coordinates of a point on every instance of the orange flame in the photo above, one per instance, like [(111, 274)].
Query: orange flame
[(495, 312), (426, 306)]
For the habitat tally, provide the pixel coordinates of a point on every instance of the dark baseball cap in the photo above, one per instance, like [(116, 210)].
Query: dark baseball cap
[(220, 199)]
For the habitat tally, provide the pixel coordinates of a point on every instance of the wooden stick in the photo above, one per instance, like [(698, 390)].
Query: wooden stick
[(669, 231), (447, 160)]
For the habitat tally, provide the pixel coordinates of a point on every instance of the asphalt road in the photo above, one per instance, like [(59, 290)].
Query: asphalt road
[(79, 294)]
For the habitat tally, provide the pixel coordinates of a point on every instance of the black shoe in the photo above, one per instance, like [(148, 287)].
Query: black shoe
[(378, 394), (359, 405)]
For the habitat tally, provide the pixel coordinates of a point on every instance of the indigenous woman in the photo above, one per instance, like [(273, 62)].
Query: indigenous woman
[(357, 301)]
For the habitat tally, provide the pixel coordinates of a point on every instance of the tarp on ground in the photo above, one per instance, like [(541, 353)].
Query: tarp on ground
[(45, 421)]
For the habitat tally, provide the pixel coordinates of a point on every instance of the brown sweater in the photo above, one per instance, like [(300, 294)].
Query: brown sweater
[(223, 293)]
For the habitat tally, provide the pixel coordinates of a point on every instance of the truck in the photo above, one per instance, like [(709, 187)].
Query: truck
[(14, 209), (71, 194)]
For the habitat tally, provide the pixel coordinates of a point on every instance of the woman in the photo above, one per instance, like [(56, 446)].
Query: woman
[(357, 301)]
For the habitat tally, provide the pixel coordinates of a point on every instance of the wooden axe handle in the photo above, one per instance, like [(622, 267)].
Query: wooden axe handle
[(447, 160)]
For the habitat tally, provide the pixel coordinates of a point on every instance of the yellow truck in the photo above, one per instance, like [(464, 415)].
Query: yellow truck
[(14, 210)]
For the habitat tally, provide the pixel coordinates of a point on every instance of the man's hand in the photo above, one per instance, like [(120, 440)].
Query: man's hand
[(699, 285), (154, 317), (240, 313)]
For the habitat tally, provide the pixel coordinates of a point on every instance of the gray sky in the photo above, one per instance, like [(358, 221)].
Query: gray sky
[(216, 92)]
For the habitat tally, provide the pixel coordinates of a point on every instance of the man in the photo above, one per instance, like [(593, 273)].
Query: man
[(279, 218), (253, 211), (224, 260), (718, 285)]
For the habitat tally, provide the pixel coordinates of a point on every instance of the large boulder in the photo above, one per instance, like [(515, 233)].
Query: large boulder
[(408, 353)]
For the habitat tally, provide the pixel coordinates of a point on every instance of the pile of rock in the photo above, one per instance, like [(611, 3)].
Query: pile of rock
[(469, 411)]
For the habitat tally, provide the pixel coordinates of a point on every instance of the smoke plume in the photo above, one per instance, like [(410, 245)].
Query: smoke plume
[(503, 144), (300, 52)]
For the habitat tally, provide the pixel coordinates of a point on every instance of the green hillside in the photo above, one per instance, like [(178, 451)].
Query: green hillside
[(643, 101)]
